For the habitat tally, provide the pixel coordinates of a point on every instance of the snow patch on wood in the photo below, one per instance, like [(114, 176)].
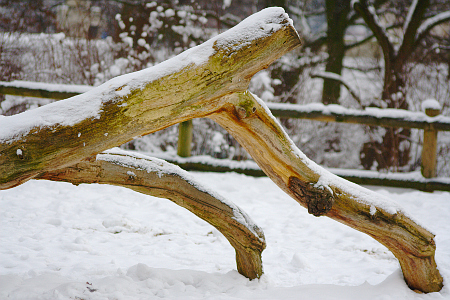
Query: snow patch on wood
[(431, 104), (162, 168)]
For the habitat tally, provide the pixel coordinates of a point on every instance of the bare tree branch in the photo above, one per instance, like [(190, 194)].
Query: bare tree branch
[(429, 24), (340, 79), (369, 15), (412, 23), (369, 37)]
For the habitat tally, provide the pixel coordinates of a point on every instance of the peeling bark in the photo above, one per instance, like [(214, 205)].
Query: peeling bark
[(318, 200)]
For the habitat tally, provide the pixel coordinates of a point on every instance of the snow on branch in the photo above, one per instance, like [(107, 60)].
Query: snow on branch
[(155, 177), (341, 80), (430, 23), (409, 17), (89, 105), (64, 132), (415, 16)]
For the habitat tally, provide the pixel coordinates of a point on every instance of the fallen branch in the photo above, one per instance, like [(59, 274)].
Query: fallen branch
[(158, 178), (187, 86), (211, 81), (324, 194)]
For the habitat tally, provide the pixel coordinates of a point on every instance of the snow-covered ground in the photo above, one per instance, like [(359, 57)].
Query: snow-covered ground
[(60, 241)]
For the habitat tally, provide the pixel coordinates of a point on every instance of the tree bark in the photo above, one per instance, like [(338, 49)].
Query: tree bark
[(161, 179), (395, 77)]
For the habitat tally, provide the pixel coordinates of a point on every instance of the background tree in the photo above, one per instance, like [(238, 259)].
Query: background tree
[(417, 25), (337, 12), (27, 16)]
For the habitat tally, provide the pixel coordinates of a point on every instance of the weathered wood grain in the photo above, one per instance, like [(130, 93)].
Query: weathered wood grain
[(325, 194)]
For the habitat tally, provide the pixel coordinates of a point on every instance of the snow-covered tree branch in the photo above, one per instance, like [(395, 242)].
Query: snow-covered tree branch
[(341, 80), (430, 23), (65, 132), (413, 20), (324, 194), (161, 179), (211, 80)]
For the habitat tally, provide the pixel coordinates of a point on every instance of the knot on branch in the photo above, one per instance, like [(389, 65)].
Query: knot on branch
[(245, 111), (318, 199)]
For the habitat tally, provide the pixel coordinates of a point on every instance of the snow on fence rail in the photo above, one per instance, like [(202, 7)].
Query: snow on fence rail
[(42, 90), (387, 117), (430, 121), (412, 180)]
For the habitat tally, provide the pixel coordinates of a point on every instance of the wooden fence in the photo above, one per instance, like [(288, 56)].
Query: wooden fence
[(430, 121)]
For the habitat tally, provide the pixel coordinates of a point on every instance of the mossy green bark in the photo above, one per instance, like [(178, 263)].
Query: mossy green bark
[(192, 92)]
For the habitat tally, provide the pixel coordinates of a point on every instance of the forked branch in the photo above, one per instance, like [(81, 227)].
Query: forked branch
[(211, 81)]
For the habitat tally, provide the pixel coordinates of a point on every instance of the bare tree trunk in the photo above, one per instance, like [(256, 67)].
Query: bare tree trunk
[(395, 76), (395, 147), (337, 22)]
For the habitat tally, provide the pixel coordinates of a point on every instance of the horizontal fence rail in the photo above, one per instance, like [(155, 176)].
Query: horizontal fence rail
[(412, 180), (385, 117), (315, 111), (42, 90)]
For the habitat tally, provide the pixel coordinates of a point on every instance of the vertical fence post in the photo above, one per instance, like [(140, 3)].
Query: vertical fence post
[(432, 108), (184, 139)]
